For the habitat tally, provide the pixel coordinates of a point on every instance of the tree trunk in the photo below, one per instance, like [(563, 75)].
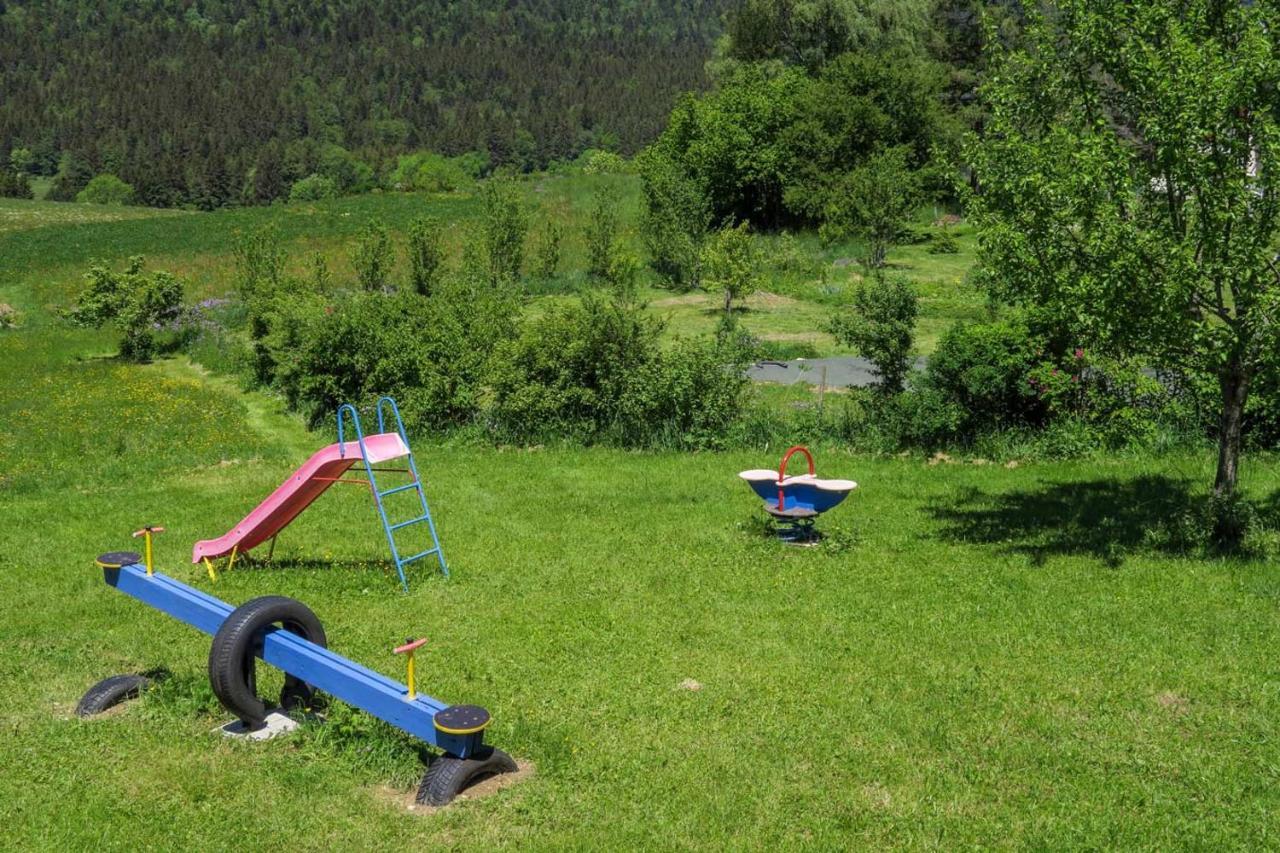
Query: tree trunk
[(1234, 382), (728, 300)]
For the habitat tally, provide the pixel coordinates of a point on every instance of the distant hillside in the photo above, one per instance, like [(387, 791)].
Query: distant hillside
[(191, 90)]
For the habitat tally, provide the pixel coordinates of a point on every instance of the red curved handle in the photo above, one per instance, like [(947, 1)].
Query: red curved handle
[(782, 469)]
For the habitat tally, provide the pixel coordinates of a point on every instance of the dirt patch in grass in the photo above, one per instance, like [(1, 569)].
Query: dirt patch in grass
[(806, 337), (686, 299), (1175, 703), (765, 299)]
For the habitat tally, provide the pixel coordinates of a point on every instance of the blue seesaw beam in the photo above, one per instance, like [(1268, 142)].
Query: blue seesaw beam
[(331, 673)]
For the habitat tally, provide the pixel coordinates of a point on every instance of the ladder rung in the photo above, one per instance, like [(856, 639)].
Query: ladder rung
[(418, 556), (407, 523), (412, 485)]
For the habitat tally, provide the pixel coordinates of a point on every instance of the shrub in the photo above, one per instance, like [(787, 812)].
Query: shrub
[(548, 252), (14, 184), (136, 302), (674, 221), (426, 171), (373, 257), (596, 372), (731, 263), (593, 161), (348, 173), (503, 230), (943, 243), (880, 326), (874, 202), (259, 276), (984, 369), (313, 188), (431, 354), (426, 254), (602, 232), (106, 189)]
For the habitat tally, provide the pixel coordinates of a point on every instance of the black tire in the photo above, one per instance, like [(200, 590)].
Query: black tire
[(239, 641), (448, 775), (110, 692)]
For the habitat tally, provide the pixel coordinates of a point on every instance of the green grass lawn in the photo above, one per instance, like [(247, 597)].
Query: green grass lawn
[(977, 656)]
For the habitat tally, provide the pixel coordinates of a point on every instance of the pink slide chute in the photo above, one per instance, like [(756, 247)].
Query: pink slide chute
[(296, 494)]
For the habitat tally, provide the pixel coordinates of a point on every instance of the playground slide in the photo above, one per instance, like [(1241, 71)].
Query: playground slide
[(296, 494)]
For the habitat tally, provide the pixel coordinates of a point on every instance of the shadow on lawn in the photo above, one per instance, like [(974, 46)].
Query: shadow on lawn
[(1106, 519)]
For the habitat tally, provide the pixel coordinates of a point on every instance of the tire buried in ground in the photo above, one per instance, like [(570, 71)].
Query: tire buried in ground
[(447, 776), (239, 641), (110, 692)]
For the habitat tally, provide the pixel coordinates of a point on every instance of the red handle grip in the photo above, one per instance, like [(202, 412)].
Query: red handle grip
[(782, 469)]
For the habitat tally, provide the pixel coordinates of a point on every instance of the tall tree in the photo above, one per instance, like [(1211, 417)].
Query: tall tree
[(1130, 186)]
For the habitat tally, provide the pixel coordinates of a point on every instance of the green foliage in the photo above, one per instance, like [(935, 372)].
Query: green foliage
[(550, 238), (426, 254), (21, 160), (74, 173), (595, 371), (259, 280), (348, 173), (984, 369), (731, 263), (772, 145), (504, 225), (134, 301), (313, 188), (105, 189), (943, 242), (431, 354), (810, 33), (373, 257), (602, 232), (356, 84), (675, 220), (874, 202), (14, 184), (596, 162), (425, 171), (862, 104), (880, 326), (1129, 177), (267, 182)]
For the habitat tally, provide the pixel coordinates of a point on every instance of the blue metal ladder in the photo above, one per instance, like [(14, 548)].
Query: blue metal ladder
[(388, 527)]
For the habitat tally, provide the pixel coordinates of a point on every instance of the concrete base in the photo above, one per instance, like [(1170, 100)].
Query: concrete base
[(276, 724)]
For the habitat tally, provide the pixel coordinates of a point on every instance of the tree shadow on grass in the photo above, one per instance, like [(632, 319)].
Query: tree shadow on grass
[(1106, 519)]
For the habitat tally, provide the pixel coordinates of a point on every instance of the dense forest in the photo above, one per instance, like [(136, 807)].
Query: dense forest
[(183, 100)]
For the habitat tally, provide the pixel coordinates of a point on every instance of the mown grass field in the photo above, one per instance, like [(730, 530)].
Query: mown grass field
[(977, 656)]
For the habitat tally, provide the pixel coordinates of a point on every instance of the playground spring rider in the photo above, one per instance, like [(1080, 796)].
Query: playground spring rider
[(322, 470), (286, 634), (796, 501)]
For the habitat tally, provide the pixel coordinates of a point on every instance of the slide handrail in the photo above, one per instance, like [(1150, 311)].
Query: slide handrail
[(355, 420), (782, 468), (395, 410)]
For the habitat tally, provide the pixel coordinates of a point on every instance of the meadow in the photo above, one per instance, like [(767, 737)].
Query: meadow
[(46, 247), (978, 655)]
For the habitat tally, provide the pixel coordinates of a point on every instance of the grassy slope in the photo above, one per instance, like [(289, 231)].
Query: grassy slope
[(966, 662)]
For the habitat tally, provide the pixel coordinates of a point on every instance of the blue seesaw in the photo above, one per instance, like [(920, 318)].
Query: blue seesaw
[(285, 633)]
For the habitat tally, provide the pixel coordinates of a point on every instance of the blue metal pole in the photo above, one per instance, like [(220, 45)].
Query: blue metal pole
[(331, 673)]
